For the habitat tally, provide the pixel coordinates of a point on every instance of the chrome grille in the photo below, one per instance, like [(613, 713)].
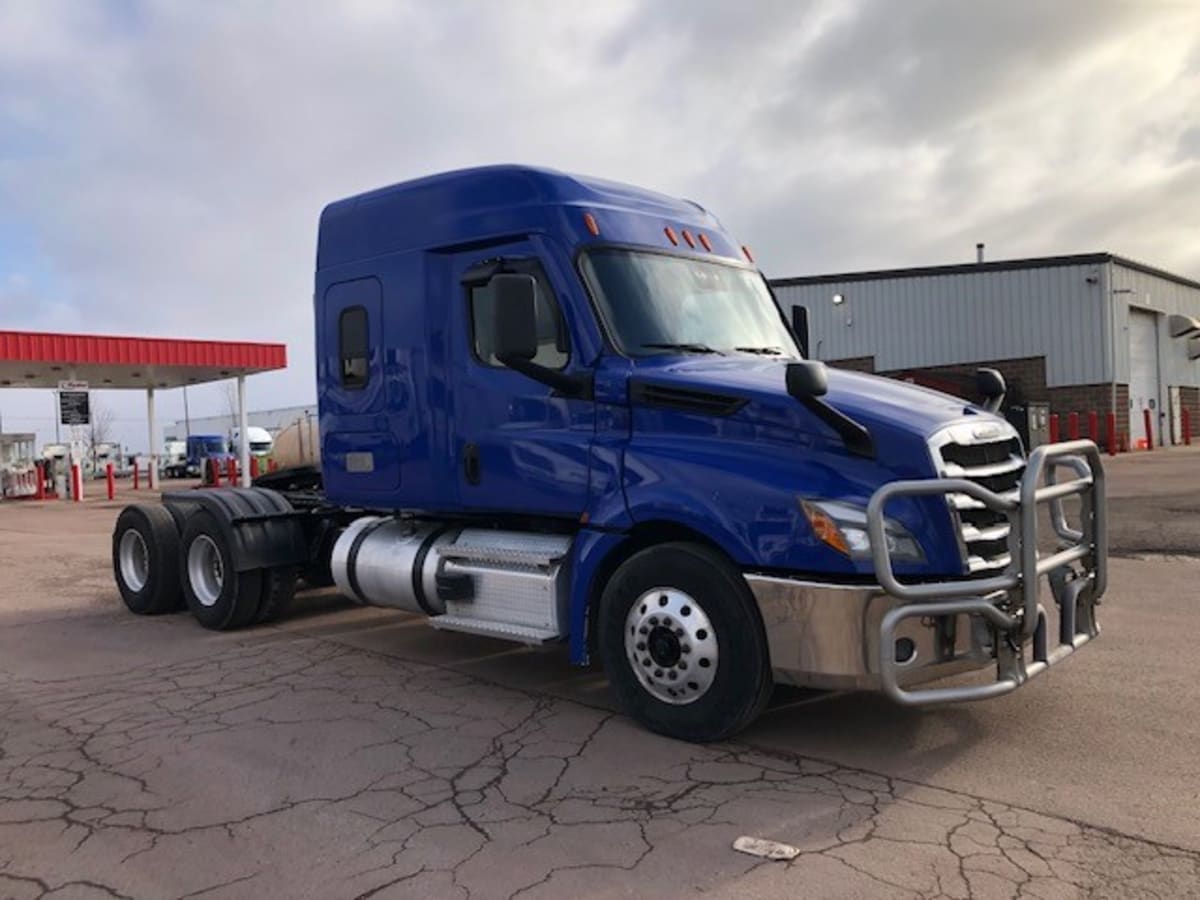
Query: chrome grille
[(989, 454)]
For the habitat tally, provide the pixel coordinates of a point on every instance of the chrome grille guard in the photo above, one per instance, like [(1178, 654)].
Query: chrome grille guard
[(1076, 590)]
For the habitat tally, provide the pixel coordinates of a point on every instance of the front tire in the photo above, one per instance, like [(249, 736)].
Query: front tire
[(682, 643), (145, 556), (219, 596)]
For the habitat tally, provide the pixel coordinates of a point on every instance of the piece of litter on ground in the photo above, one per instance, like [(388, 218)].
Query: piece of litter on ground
[(765, 849)]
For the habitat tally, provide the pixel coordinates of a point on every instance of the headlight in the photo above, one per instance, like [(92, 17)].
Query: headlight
[(843, 526)]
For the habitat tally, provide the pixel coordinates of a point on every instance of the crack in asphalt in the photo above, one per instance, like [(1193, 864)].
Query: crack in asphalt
[(308, 767)]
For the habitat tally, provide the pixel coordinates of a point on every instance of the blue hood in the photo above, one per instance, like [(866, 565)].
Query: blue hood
[(738, 476), (870, 399)]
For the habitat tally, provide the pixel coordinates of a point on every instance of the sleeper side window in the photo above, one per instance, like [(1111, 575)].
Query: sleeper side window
[(353, 347), (553, 348)]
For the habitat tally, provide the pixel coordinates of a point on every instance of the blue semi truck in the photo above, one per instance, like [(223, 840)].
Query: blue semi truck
[(560, 409)]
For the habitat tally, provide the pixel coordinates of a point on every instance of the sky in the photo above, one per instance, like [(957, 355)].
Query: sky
[(163, 164)]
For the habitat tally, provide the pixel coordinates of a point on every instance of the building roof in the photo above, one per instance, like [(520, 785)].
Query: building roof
[(40, 360), (1000, 265)]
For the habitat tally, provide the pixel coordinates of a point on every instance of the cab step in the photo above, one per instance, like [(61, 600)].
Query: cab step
[(520, 634)]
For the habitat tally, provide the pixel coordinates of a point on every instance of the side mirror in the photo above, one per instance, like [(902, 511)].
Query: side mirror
[(514, 327), (990, 384), (807, 379), (800, 328)]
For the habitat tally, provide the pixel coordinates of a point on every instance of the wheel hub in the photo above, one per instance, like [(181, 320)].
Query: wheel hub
[(134, 560), (206, 570), (664, 646), (671, 645)]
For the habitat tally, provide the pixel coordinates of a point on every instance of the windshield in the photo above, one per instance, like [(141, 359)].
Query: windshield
[(206, 446), (654, 303)]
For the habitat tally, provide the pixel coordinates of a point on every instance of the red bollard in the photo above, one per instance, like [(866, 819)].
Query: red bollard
[(1149, 429), (1110, 436), (253, 467), (272, 465), (76, 482), (41, 477), (136, 472), (231, 472), (1073, 426), (111, 477), (1186, 422), (1094, 426), (214, 473), (1054, 428)]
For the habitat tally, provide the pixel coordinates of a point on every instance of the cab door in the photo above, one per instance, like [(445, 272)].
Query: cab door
[(360, 457), (519, 445)]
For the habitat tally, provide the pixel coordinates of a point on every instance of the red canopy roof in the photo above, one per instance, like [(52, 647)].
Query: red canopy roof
[(41, 360)]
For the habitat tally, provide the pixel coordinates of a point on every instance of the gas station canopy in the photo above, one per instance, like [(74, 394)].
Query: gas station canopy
[(39, 360)]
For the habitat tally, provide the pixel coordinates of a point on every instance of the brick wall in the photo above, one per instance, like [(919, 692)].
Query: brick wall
[(1189, 399), (1084, 398), (1026, 379), (854, 363)]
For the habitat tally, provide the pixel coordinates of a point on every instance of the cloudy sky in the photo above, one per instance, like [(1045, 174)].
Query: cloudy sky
[(162, 164)]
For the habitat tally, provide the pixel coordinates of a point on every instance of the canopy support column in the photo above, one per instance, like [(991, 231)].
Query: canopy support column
[(152, 480), (243, 438)]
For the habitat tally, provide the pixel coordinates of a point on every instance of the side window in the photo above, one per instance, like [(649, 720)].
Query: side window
[(353, 347), (553, 350)]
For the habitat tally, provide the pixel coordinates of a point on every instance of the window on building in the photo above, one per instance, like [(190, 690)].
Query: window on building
[(354, 347)]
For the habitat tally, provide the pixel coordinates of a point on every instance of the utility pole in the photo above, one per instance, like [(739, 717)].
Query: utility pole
[(187, 419)]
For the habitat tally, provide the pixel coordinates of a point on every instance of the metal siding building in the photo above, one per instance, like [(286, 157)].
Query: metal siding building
[(1044, 322), (273, 420)]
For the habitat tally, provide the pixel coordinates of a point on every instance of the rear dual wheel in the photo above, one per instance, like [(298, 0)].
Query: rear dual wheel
[(219, 596), (145, 556)]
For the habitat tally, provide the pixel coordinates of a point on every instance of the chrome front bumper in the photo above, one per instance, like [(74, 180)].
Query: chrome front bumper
[(846, 637)]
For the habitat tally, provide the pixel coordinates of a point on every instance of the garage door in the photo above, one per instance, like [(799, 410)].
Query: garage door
[(1143, 373)]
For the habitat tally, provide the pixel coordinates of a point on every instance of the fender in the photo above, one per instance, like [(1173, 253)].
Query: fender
[(262, 528)]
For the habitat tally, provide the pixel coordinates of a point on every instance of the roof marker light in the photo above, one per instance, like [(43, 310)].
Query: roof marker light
[(687, 238), (746, 253), (670, 233), (590, 221), (704, 241)]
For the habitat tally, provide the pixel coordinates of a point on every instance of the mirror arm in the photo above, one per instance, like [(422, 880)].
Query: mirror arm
[(854, 435), (567, 384)]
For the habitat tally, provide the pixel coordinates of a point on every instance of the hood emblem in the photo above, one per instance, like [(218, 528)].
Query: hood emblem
[(983, 432)]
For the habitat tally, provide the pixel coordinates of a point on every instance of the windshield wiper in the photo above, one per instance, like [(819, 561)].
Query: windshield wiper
[(761, 351), (685, 347)]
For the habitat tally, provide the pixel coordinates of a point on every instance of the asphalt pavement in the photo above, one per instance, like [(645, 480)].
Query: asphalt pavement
[(349, 752)]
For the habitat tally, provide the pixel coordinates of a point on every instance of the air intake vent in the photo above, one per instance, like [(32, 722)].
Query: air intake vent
[(685, 399)]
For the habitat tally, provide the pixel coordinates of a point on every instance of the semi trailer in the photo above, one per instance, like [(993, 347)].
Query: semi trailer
[(556, 409)]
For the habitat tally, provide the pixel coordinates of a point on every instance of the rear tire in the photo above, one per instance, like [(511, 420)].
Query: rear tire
[(220, 597), (278, 590), (682, 643), (145, 555)]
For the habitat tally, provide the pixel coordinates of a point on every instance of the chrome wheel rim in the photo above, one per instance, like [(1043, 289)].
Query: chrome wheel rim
[(671, 645), (134, 559), (206, 570)]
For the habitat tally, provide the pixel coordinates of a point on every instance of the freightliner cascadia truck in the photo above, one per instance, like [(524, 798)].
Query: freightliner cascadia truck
[(557, 409)]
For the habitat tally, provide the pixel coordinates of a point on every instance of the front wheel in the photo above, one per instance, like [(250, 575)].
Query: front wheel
[(682, 643)]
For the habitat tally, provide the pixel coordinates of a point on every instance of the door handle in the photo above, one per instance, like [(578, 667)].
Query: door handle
[(471, 463)]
